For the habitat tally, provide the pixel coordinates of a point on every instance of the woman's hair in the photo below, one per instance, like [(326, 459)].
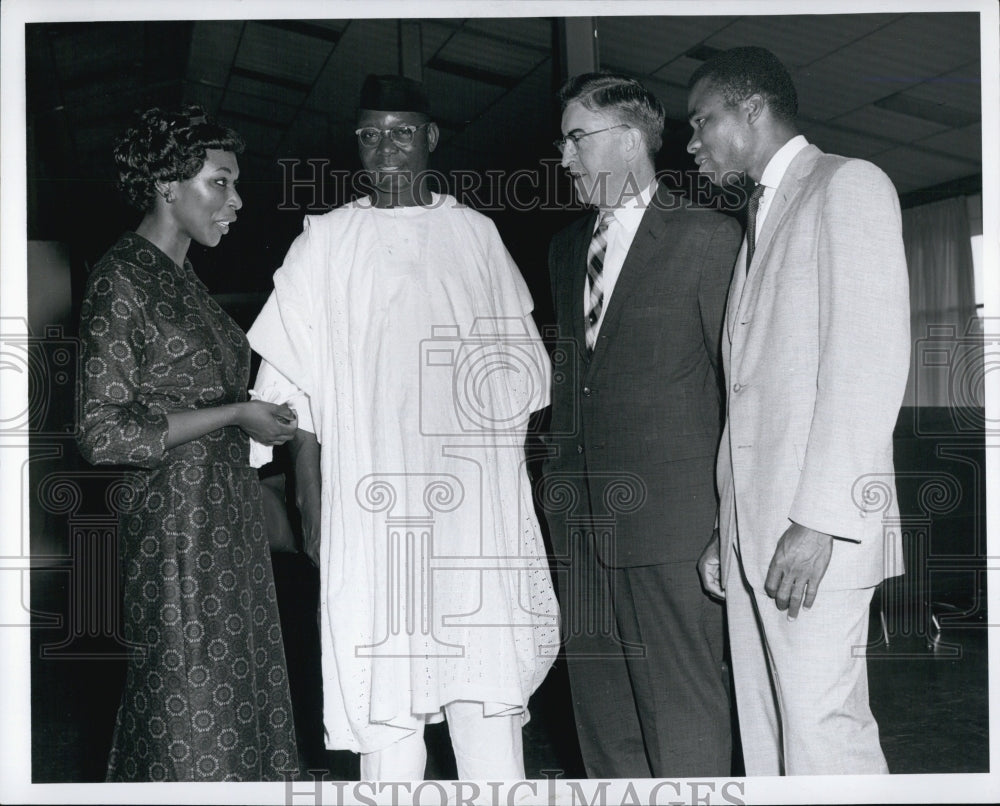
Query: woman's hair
[(166, 147)]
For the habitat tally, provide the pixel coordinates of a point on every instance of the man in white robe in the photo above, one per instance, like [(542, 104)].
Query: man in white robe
[(401, 331)]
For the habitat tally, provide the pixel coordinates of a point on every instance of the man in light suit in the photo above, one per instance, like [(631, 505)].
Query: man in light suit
[(629, 490), (816, 353)]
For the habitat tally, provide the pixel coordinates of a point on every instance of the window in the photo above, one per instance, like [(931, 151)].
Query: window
[(977, 270)]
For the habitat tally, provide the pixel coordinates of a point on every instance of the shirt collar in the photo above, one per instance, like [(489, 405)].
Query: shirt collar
[(776, 167), (633, 208)]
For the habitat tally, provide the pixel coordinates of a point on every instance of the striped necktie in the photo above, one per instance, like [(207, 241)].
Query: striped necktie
[(752, 206), (595, 268)]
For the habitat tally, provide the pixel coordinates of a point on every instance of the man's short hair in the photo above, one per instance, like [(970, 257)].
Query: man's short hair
[(621, 94), (738, 73)]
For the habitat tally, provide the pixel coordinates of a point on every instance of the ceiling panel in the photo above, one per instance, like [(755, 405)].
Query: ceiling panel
[(913, 168), (82, 52), (644, 45), (291, 86), (676, 75), (367, 46), (213, 48), (823, 99), (486, 53), (257, 107), (966, 142), (874, 120), (458, 100), (842, 140), (799, 39), (434, 34), (896, 57), (248, 87), (333, 25), (961, 89), (518, 109), (535, 32), (285, 54)]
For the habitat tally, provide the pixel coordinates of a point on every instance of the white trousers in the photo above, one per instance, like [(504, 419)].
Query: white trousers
[(486, 748), (802, 686)]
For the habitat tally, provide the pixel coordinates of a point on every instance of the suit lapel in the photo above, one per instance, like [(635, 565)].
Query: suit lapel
[(783, 201), (791, 184), (645, 252)]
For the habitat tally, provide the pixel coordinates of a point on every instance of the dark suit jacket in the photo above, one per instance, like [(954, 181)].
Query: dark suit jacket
[(635, 429)]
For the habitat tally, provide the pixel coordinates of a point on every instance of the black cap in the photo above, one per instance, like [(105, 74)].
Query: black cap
[(393, 94)]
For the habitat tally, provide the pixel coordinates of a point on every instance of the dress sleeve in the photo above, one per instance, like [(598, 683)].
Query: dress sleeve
[(116, 427)]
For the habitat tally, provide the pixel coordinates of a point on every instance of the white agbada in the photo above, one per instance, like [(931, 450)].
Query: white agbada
[(404, 338)]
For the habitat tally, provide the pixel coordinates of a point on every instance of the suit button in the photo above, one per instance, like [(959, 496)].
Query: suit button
[(579, 448), (586, 391), (737, 387)]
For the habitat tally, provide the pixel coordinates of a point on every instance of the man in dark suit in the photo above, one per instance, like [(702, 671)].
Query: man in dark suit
[(639, 288)]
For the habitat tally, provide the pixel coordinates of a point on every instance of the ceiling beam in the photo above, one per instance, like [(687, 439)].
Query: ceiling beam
[(305, 28)]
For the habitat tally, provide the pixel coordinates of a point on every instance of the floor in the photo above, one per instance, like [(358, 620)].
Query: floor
[(929, 690)]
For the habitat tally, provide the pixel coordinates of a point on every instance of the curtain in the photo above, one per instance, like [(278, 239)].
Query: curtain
[(946, 361)]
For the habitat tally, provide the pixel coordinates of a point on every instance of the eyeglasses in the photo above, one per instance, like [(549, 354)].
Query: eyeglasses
[(401, 135), (574, 139)]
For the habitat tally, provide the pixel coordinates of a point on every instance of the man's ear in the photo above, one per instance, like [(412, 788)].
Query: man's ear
[(634, 143), (432, 136), (754, 106)]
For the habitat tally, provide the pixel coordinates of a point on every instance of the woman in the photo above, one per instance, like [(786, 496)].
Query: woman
[(164, 390)]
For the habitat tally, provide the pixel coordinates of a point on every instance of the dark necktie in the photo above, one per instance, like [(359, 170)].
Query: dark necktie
[(595, 269), (752, 206)]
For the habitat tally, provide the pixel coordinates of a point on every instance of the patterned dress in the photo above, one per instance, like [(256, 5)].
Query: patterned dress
[(206, 694)]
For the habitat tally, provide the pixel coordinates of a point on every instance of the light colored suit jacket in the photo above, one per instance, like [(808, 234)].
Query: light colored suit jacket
[(816, 354)]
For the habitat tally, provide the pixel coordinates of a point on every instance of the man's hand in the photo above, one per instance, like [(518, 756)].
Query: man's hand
[(799, 563), (710, 568)]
